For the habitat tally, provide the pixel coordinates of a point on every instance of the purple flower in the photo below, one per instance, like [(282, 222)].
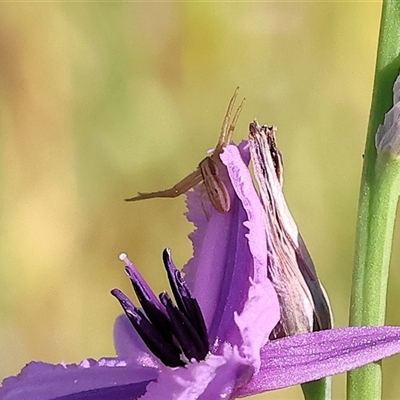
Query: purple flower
[(227, 299)]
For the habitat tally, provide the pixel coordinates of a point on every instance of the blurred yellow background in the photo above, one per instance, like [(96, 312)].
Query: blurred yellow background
[(101, 100)]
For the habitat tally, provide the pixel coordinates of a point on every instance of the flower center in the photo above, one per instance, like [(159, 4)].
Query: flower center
[(175, 333)]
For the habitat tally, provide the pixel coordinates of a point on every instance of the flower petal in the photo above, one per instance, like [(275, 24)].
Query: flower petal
[(217, 259), (224, 260), (214, 378), (303, 358), (103, 379), (261, 307)]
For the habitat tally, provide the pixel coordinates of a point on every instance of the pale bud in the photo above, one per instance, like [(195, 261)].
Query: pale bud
[(387, 137)]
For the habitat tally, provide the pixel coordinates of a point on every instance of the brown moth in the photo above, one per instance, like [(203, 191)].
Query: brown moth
[(208, 169), (303, 301)]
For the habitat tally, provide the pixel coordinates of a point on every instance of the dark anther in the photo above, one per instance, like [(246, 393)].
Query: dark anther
[(184, 331), (186, 303), (169, 331)]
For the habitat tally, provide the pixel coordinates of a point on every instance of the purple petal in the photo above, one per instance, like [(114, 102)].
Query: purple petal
[(262, 306), (303, 358), (214, 378), (229, 249), (89, 380), (218, 259)]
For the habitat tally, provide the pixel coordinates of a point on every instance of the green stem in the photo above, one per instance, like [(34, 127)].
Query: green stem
[(380, 185), (382, 218), (318, 390)]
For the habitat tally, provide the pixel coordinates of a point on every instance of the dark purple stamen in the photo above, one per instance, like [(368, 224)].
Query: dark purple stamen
[(186, 303), (162, 346), (167, 330), (184, 331), (154, 310)]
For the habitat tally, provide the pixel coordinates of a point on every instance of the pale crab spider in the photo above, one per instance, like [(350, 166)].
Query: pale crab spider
[(207, 170)]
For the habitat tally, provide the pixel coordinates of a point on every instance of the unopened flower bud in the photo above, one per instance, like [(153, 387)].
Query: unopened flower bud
[(387, 137)]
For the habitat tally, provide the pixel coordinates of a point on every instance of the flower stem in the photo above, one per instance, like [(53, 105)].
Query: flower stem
[(380, 188), (318, 390)]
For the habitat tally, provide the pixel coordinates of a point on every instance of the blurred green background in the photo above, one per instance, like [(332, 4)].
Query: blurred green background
[(101, 100)]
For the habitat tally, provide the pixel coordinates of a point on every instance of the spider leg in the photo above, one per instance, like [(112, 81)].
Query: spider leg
[(207, 170), (181, 187), (224, 128), (233, 123)]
